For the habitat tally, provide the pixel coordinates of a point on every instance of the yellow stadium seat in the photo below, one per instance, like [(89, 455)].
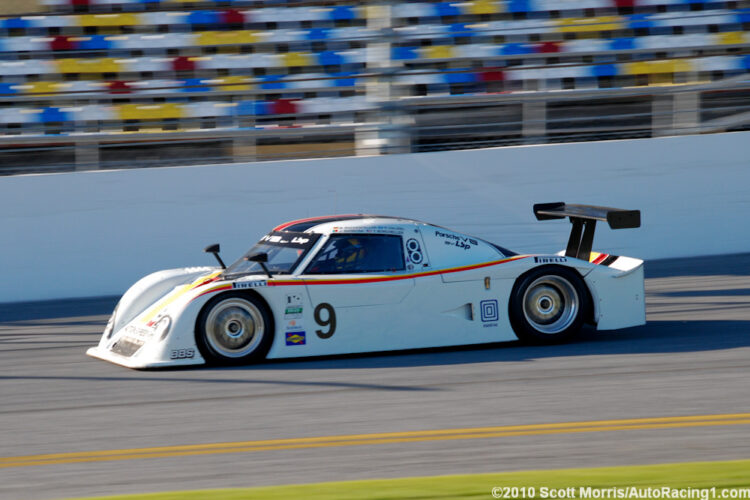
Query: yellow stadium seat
[(162, 111), (112, 20), (637, 68), (208, 38), (226, 37), (589, 24), (102, 65), (659, 67), (42, 88), (682, 66), (732, 38), (68, 66), (231, 83), (479, 7), (439, 52), (293, 59)]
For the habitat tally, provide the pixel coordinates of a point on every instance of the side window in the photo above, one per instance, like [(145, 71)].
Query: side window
[(359, 253)]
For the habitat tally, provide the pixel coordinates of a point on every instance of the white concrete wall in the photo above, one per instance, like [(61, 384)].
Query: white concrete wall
[(94, 233)]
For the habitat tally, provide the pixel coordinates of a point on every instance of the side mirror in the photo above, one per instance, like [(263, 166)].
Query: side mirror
[(214, 249), (261, 258), (258, 257)]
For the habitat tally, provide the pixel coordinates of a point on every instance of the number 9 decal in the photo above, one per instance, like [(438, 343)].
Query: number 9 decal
[(329, 321)]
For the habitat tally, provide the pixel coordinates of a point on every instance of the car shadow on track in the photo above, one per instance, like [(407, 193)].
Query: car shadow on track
[(654, 337)]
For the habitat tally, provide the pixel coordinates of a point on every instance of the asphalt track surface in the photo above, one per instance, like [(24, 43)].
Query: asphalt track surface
[(634, 396)]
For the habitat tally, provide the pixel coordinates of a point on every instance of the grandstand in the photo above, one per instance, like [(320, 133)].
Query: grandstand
[(179, 81)]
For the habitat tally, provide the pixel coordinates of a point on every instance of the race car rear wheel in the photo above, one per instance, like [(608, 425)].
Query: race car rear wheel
[(548, 305), (234, 328)]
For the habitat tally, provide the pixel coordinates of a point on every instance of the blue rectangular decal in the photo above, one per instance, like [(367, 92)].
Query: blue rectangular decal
[(295, 338), (489, 311)]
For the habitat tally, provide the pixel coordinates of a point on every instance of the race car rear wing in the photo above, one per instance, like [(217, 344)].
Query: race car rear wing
[(583, 218)]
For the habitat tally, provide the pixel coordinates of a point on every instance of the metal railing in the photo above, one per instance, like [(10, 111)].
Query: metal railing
[(407, 125)]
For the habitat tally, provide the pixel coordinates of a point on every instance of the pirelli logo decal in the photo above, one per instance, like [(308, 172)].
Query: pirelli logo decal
[(550, 260)]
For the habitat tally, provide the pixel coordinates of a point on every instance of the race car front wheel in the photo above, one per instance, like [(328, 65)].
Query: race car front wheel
[(548, 305), (234, 328)]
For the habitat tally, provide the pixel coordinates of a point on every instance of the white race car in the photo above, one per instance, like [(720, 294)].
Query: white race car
[(362, 283)]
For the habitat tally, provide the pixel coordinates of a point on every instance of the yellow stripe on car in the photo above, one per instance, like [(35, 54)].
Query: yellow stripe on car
[(175, 295)]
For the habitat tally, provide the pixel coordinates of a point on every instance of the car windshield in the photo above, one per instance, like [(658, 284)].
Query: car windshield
[(285, 249)]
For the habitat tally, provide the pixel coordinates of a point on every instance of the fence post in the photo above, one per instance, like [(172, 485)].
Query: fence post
[(390, 134), (662, 115), (686, 112), (87, 154), (534, 116), (244, 148)]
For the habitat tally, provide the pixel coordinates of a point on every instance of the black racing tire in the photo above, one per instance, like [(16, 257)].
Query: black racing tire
[(548, 305), (234, 328)]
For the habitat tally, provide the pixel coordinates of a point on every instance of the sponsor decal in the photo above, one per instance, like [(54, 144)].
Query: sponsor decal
[(182, 354), (369, 230), (152, 324), (301, 241), (456, 240), (550, 260), (293, 306), (281, 240), (139, 333), (293, 325), (295, 338), (240, 285), (293, 312), (489, 312)]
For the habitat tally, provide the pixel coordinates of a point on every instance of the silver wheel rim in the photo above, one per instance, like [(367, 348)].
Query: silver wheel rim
[(234, 328), (550, 304)]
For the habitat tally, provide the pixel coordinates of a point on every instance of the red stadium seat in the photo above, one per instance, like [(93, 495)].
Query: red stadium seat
[(491, 75), (548, 47), (182, 63), (232, 16), (119, 87), (62, 43), (625, 4), (284, 107)]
